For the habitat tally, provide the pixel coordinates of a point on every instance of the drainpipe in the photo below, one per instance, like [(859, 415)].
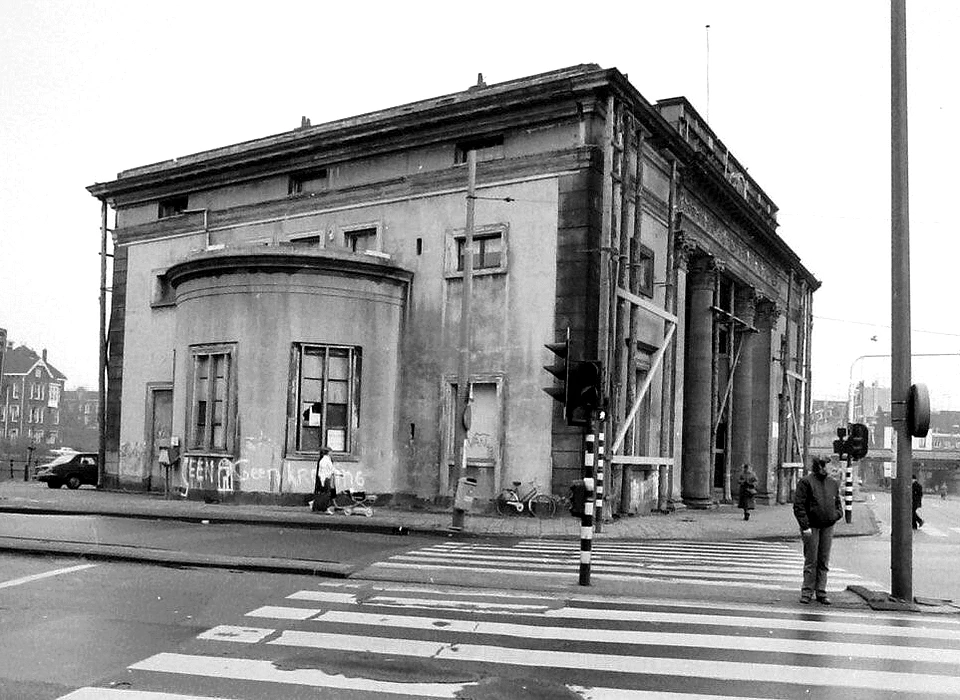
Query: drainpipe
[(206, 227), (102, 368)]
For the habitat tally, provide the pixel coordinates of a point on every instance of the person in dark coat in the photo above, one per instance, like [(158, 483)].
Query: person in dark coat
[(748, 489), (916, 491), (817, 507)]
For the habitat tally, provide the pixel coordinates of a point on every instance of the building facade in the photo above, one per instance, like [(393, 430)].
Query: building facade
[(31, 391), (305, 289)]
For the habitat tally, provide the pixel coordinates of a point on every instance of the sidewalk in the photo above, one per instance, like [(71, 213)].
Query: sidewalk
[(722, 523)]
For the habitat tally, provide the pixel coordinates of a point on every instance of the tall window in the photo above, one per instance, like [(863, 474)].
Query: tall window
[(644, 270), (328, 397), (212, 401)]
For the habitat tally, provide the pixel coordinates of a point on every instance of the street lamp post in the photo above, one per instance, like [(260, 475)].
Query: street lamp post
[(463, 381)]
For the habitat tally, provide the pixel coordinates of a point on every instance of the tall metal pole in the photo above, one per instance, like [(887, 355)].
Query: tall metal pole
[(463, 382), (901, 536), (102, 366)]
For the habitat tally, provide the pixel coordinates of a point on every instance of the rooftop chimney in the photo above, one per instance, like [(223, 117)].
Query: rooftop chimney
[(304, 122), (44, 354)]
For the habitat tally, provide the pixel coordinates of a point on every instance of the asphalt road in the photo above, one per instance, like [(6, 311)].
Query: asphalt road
[(74, 630), (66, 623), (229, 539), (935, 550)]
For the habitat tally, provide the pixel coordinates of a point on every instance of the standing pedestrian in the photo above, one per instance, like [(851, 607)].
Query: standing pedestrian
[(916, 492), (943, 491), (816, 505), (748, 489)]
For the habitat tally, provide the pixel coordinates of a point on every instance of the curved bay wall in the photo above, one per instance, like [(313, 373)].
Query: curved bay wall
[(261, 307)]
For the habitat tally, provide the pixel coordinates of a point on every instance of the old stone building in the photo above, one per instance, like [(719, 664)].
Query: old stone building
[(304, 289)]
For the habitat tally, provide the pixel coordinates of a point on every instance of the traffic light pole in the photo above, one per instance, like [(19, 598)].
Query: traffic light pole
[(848, 491), (901, 536)]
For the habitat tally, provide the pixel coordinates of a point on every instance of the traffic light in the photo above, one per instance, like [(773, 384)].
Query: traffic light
[(584, 391), (560, 370), (840, 444), (858, 442)]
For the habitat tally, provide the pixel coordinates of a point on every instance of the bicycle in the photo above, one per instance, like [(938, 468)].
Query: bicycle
[(539, 505)]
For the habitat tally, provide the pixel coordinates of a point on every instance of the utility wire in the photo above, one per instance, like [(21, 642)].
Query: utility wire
[(881, 325)]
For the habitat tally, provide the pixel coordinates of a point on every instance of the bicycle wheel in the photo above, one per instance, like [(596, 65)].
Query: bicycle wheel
[(543, 506), (505, 502)]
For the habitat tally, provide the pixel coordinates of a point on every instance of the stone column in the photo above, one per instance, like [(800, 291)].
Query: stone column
[(741, 430), (764, 457), (697, 468)]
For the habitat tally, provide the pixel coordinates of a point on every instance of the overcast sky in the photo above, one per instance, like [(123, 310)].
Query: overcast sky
[(799, 92)]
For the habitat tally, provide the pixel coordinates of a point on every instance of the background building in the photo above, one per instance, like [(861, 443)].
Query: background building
[(305, 289), (31, 390)]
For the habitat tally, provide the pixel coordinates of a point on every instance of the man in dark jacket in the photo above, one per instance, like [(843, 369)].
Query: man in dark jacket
[(816, 505)]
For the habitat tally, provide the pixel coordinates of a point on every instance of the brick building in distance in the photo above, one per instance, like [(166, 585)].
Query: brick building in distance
[(31, 391)]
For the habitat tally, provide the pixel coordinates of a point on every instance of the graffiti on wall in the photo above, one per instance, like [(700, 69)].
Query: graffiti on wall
[(209, 473), (132, 458), (300, 479)]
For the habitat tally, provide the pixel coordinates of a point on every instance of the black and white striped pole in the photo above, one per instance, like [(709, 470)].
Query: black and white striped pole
[(848, 492), (601, 468), (586, 520)]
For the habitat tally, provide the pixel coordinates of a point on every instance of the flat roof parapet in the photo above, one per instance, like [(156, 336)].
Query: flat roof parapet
[(693, 129)]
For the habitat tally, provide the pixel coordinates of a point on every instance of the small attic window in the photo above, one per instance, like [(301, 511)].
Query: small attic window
[(172, 206), (308, 181), (487, 148)]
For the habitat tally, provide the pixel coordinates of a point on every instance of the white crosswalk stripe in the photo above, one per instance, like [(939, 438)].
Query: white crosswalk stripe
[(415, 641), (766, 565)]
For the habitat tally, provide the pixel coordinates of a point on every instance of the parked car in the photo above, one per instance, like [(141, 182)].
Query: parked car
[(73, 469)]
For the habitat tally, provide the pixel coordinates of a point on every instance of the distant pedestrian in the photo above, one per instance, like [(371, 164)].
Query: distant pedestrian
[(916, 491), (943, 491), (817, 507), (748, 490)]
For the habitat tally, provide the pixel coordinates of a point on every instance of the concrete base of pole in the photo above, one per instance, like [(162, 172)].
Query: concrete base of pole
[(459, 516)]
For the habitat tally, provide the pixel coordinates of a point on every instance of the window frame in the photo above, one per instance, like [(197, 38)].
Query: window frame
[(350, 236), (206, 444), (455, 240), (298, 408), (487, 148), (296, 181), (172, 206), (647, 264)]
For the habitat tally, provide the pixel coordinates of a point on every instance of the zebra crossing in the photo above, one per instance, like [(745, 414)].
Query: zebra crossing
[(758, 564), (367, 640), (931, 531)]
